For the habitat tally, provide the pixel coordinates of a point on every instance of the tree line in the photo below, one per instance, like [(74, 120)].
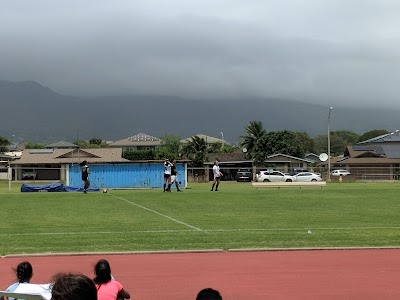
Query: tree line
[(257, 143)]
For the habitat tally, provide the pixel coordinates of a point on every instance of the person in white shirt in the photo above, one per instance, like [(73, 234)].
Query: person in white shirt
[(167, 175), (217, 176)]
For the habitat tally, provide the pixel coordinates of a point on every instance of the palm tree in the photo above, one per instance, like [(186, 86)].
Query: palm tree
[(254, 140), (195, 150)]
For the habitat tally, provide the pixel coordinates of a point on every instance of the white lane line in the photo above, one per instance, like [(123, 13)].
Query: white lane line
[(158, 213), (192, 230)]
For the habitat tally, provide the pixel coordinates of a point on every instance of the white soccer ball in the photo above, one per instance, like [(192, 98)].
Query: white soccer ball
[(105, 190)]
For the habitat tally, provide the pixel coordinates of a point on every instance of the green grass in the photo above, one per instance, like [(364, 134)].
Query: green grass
[(237, 216)]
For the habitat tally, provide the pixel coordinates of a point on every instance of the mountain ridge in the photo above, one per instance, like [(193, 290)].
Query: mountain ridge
[(39, 114)]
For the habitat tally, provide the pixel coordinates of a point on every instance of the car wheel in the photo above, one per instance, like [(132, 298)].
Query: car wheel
[(266, 180), (288, 180), (313, 179)]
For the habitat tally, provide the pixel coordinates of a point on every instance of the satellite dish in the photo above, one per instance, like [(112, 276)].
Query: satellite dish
[(323, 157), (244, 150)]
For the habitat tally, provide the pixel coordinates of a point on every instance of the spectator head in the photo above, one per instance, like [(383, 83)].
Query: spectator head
[(69, 286), (83, 163), (208, 294), (102, 270), (24, 271)]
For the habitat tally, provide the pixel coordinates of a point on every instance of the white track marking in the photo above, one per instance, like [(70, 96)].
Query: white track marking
[(158, 213), (195, 230)]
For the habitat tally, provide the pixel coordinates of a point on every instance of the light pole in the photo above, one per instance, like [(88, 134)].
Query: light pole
[(222, 135), (329, 144)]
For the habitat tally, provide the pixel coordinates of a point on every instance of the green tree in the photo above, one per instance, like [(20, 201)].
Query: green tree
[(169, 147), (95, 141), (196, 150), (4, 143), (227, 148), (92, 143), (350, 137), (338, 144), (285, 142), (254, 141), (31, 145), (372, 134), (139, 154), (306, 141)]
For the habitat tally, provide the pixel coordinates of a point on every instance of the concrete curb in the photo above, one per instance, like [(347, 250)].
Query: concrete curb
[(199, 251)]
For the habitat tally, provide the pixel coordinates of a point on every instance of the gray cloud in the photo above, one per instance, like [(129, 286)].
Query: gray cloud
[(333, 51)]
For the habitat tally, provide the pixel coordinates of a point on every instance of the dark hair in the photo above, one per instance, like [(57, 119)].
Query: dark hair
[(24, 271), (70, 286), (83, 163), (209, 294), (102, 270)]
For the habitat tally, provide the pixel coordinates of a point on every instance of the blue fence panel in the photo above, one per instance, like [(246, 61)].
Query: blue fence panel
[(135, 175)]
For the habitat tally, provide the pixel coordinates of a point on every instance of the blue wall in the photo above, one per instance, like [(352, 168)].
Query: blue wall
[(134, 175)]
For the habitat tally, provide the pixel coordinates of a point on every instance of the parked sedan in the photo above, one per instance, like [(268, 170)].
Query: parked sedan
[(308, 176), (273, 176), (340, 172)]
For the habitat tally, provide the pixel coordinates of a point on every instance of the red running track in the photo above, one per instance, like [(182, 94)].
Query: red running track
[(313, 274)]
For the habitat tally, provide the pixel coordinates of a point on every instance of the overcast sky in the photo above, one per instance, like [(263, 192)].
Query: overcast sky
[(322, 51)]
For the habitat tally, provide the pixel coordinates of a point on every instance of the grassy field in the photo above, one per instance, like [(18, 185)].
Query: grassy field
[(237, 216)]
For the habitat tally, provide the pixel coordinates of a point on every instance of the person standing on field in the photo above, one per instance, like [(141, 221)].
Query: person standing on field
[(174, 175), (167, 175), (217, 176), (85, 175)]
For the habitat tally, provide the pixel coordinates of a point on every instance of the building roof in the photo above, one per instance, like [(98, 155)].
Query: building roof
[(290, 157), (390, 150), (69, 156), (385, 138), (362, 161), (207, 138), (140, 139), (62, 144), (239, 157)]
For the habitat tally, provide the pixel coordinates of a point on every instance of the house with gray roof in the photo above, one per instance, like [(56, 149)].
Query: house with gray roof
[(376, 158)]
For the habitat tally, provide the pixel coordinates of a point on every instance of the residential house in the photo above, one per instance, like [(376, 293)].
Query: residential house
[(373, 159), (51, 164)]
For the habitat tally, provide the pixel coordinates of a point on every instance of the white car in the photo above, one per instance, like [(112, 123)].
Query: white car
[(273, 176), (340, 172), (308, 176)]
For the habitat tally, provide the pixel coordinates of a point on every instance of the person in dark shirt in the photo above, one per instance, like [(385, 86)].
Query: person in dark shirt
[(174, 175), (85, 176)]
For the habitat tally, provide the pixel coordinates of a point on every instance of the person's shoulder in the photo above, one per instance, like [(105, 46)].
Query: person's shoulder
[(12, 287), (117, 283)]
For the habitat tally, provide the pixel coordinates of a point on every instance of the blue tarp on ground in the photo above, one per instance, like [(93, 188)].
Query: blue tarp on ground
[(79, 189), (54, 187)]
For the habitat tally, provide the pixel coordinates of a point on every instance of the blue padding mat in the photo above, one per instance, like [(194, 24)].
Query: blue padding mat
[(54, 187)]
